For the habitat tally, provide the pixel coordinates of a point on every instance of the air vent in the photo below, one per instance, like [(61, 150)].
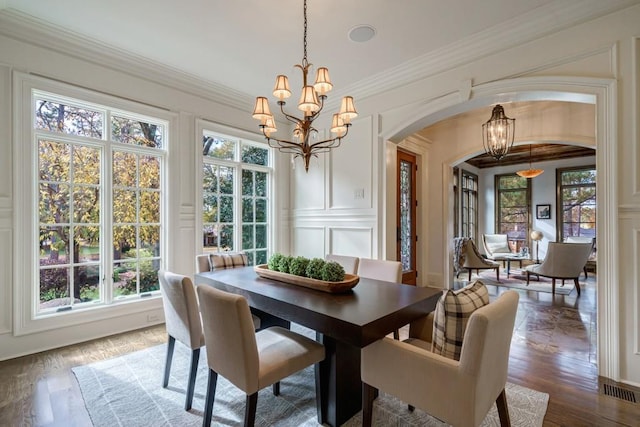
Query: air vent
[(619, 393)]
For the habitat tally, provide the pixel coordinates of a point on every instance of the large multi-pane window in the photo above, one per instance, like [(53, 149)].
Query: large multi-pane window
[(577, 202), (99, 203), (469, 205), (513, 201), (236, 179)]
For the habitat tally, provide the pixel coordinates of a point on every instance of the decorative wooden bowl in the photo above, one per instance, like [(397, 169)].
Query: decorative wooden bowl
[(350, 280)]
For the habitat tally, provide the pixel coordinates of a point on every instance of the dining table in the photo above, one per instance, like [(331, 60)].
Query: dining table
[(344, 323)]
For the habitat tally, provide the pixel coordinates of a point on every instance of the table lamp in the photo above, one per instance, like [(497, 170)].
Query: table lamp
[(536, 236)]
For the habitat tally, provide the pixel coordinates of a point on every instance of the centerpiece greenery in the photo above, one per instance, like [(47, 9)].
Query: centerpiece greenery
[(316, 268)]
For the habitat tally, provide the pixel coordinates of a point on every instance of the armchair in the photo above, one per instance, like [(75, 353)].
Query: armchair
[(466, 256), (496, 245), (583, 239), (457, 392), (563, 261)]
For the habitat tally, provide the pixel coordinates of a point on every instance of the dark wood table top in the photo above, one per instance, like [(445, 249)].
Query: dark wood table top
[(371, 310)]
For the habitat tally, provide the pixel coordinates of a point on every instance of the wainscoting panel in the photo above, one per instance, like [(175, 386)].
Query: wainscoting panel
[(309, 242), (352, 241), (6, 279)]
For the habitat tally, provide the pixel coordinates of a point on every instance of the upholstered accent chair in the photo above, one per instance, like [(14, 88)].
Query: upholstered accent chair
[(563, 261), (349, 263), (182, 319), (459, 393), (249, 360), (496, 245), (379, 269), (583, 239), (466, 256)]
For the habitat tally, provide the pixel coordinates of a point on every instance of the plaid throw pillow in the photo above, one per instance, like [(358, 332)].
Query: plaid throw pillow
[(227, 260), (451, 317)]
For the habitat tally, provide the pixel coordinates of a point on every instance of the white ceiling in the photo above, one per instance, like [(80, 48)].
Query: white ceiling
[(244, 44)]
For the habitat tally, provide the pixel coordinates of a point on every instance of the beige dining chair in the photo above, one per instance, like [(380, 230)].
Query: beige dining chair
[(222, 260), (562, 261), (182, 320), (583, 239), (379, 269), (249, 360), (466, 256), (349, 263), (459, 393)]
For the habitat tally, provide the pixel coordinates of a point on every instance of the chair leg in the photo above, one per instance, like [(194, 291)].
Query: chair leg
[(276, 388), (396, 334), (470, 271), (498, 274), (211, 395), (368, 396), (585, 272), (191, 385), (171, 343), (553, 286), (577, 282), (250, 410), (528, 275), (503, 409)]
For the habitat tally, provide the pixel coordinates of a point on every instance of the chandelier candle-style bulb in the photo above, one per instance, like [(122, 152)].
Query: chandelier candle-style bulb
[(305, 141)]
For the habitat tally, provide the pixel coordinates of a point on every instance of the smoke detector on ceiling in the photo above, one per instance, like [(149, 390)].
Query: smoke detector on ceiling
[(362, 33)]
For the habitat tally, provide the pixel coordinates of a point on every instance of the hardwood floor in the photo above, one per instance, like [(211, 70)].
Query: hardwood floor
[(553, 351)]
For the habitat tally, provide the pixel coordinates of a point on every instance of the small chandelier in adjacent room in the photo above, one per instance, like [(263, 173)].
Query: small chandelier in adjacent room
[(498, 133), (312, 98), (530, 173)]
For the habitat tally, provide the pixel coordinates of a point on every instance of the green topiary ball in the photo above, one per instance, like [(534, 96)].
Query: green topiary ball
[(274, 262), (299, 266), (332, 272), (314, 269), (285, 264)]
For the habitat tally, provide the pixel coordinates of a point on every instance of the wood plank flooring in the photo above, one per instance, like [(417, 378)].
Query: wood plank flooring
[(553, 351)]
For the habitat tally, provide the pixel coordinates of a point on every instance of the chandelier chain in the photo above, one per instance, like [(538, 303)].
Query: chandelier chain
[(304, 57)]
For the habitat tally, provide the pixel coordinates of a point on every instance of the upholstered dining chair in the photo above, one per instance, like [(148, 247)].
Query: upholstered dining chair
[(349, 263), (466, 256), (379, 269), (496, 245), (562, 261), (249, 360), (221, 260), (182, 319), (459, 393)]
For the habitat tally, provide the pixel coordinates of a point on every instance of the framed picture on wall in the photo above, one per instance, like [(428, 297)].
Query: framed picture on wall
[(543, 211)]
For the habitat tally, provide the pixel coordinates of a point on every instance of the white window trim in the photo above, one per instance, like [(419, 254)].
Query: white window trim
[(24, 191), (246, 138)]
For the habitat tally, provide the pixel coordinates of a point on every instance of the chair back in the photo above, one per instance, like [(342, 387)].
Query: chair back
[(217, 260), (565, 260), (181, 312), (349, 263), (485, 349), (229, 333), (390, 271), (495, 244)]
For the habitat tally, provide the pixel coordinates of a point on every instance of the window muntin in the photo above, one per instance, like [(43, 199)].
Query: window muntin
[(513, 201), (236, 179), (74, 154), (469, 205), (577, 202)]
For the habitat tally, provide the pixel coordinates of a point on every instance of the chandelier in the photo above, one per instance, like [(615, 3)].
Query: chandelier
[(304, 143), (498, 133), (530, 173)]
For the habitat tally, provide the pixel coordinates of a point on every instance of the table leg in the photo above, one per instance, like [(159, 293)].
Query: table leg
[(338, 384)]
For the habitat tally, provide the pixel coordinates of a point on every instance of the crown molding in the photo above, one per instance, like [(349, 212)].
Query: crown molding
[(551, 18), (25, 28)]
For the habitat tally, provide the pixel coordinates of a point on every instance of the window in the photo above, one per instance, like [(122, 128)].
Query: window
[(236, 181), (577, 202), (98, 205), (513, 201), (469, 205)]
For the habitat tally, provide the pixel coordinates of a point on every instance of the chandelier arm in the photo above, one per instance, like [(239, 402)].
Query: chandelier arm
[(287, 144)]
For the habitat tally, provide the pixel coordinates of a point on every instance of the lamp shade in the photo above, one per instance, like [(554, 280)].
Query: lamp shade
[(530, 173), (281, 89), (536, 235), (337, 125), (261, 111), (347, 109), (308, 101), (269, 126), (323, 82)]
